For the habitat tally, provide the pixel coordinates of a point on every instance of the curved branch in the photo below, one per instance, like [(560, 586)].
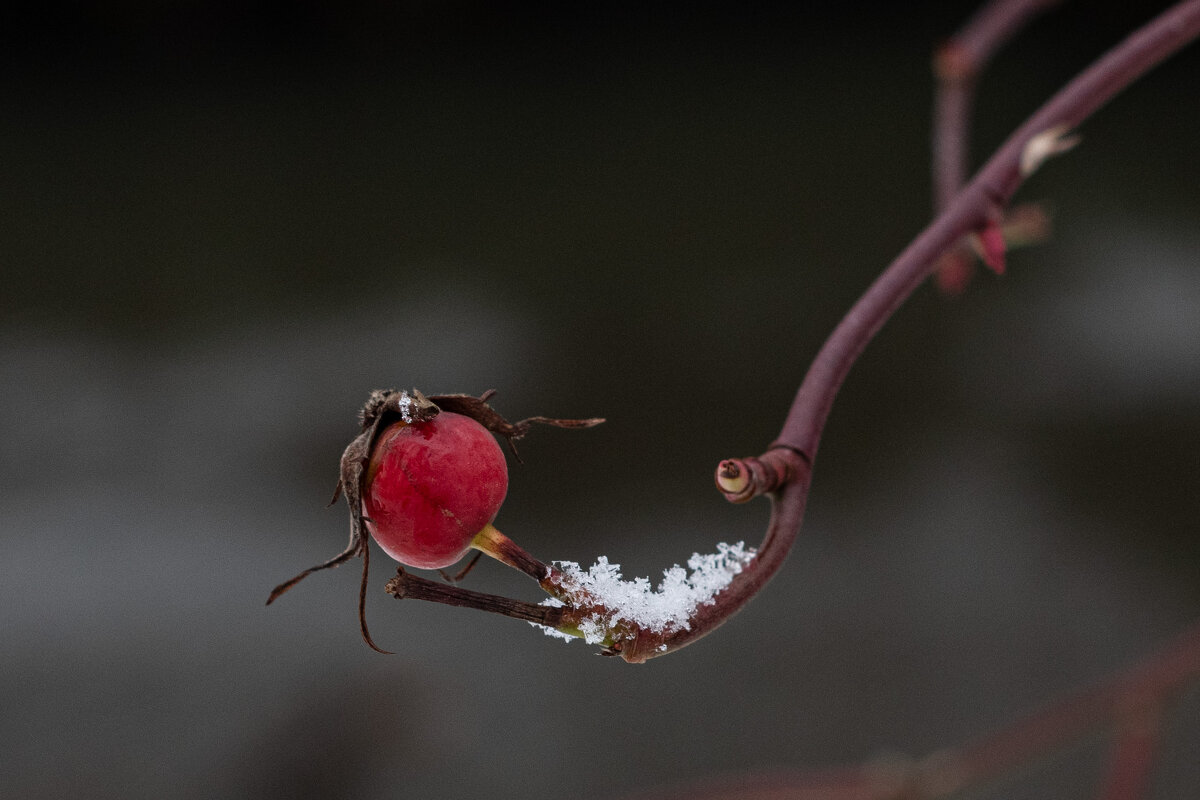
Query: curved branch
[(973, 208), (784, 471), (787, 512)]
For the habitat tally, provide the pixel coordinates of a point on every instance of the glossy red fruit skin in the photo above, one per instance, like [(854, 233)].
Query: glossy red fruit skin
[(431, 487)]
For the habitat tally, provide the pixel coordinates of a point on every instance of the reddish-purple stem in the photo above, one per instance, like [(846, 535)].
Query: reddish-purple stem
[(971, 209), (990, 190)]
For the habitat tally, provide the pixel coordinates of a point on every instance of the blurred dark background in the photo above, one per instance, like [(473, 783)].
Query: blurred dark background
[(223, 224)]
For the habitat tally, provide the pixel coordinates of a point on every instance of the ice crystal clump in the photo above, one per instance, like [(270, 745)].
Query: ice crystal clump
[(662, 610), (406, 404)]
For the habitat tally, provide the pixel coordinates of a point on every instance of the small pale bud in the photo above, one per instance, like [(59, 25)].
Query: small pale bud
[(1045, 145)]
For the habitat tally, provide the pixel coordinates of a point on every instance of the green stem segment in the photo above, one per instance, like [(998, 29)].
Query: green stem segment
[(495, 544)]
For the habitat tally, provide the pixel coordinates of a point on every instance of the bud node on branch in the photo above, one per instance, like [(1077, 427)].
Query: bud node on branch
[(742, 479)]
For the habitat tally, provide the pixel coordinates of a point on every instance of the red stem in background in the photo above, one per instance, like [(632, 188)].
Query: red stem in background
[(1133, 699), (957, 65), (1137, 737)]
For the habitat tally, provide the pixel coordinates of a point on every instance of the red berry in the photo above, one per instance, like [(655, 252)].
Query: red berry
[(431, 487)]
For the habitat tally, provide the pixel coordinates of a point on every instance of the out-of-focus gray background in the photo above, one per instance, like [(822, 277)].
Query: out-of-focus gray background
[(223, 224)]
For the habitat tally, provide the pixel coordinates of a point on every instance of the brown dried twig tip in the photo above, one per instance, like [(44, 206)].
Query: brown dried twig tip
[(406, 586)]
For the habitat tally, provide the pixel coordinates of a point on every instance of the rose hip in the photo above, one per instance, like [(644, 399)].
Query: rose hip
[(425, 478), (431, 486)]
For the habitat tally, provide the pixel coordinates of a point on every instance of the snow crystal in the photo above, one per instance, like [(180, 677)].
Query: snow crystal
[(406, 404), (665, 609)]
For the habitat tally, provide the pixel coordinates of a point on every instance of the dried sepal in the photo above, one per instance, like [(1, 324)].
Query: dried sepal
[(383, 407), (477, 408), (389, 403), (350, 486)]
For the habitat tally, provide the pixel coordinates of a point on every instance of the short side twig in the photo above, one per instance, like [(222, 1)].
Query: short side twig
[(957, 65), (405, 585)]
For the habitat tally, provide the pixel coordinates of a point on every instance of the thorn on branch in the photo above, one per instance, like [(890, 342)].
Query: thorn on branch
[(1045, 146), (1024, 225), (990, 241)]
